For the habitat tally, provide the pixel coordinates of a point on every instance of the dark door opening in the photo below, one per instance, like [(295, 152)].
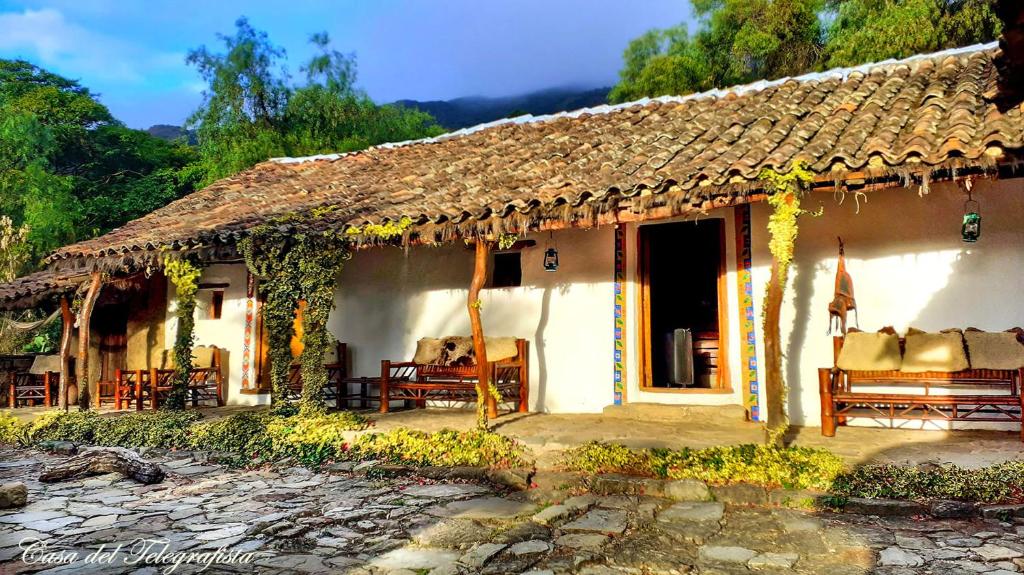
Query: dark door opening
[(681, 272)]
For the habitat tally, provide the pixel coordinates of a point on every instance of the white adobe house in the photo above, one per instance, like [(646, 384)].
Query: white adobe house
[(654, 209)]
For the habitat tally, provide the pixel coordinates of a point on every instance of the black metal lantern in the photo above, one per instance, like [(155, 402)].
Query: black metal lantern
[(970, 231), (551, 255)]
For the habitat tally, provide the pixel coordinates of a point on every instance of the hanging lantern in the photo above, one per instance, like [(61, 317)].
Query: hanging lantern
[(551, 255), (970, 231)]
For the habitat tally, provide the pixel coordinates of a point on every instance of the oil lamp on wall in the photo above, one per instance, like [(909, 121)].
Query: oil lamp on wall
[(970, 230), (551, 255)]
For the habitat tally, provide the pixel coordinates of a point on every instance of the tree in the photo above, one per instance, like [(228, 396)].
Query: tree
[(252, 113), (737, 41), (68, 169), (873, 30), (740, 41)]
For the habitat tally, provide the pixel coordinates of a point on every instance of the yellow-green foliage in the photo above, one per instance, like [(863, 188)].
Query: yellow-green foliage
[(313, 438), (792, 467), (784, 192), (442, 448), (385, 231), (11, 428), (242, 433)]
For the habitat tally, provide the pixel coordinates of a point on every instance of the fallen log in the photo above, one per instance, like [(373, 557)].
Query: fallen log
[(100, 460)]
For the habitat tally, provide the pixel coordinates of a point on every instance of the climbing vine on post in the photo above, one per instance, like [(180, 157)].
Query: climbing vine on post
[(320, 258), (293, 266), (784, 193), (184, 274)]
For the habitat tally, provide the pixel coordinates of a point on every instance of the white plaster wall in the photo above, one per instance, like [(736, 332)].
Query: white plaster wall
[(388, 299), (909, 268), (634, 393), (227, 333)]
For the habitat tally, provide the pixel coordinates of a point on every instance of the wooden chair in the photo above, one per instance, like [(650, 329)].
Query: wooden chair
[(153, 386), (969, 395), (336, 362), (419, 383), (39, 384)]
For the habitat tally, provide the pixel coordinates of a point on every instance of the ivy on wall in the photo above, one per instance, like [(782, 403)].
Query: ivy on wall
[(184, 274), (294, 266)]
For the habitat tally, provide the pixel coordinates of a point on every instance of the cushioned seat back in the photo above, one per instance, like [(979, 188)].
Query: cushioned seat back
[(44, 363), (939, 352), (202, 357), (459, 351), (994, 350), (864, 351)]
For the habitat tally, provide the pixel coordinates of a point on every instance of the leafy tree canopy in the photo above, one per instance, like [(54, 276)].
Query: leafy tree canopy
[(68, 169), (253, 112), (741, 41)]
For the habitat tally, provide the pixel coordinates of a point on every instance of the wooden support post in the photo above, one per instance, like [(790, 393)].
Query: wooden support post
[(83, 341), (774, 387), (47, 399), (154, 392), (385, 377), (479, 347), (828, 415), (67, 332), (138, 389)]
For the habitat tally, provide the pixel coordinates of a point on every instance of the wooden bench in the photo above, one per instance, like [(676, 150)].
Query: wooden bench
[(153, 386), (36, 385), (964, 395), (419, 383), (337, 377)]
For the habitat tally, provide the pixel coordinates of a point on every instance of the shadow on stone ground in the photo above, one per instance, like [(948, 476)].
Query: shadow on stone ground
[(297, 521)]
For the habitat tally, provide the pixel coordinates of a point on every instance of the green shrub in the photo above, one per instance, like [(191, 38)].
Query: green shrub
[(792, 467), (313, 439), (442, 448), (12, 430), (242, 433), (166, 429), (1001, 483), (76, 426)]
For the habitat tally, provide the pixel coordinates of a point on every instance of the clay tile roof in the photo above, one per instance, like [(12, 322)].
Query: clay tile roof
[(927, 111), (33, 288)]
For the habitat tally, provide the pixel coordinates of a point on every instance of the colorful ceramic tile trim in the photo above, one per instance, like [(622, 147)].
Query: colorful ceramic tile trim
[(620, 313), (748, 328), (250, 313)]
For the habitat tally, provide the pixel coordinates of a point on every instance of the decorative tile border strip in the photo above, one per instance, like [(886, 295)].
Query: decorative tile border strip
[(620, 314), (250, 314), (748, 328)]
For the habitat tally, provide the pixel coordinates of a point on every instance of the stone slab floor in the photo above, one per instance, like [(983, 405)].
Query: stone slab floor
[(294, 520)]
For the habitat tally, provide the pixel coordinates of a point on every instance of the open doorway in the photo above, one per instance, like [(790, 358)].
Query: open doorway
[(682, 277)]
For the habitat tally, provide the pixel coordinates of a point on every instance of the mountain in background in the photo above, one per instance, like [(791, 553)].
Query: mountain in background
[(171, 133), (473, 110), (468, 111)]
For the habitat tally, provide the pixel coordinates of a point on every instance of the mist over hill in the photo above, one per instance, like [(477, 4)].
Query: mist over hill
[(472, 110)]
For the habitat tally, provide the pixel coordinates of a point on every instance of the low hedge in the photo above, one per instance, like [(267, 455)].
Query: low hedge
[(1000, 483), (791, 467), (256, 436)]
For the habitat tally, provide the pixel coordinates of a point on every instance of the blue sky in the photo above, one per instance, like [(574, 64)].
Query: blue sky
[(133, 53)]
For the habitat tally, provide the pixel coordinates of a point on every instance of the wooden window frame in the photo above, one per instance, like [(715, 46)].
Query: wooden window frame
[(723, 383)]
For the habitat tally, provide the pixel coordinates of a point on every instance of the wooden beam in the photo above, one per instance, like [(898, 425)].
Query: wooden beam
[(479, 346), (67, 332), (84, 317)]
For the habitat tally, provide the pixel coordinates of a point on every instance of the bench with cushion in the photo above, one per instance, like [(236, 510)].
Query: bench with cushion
[(948, 376), (445, 370)]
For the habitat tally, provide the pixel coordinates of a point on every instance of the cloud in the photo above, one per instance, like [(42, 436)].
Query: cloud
[(48, 38)]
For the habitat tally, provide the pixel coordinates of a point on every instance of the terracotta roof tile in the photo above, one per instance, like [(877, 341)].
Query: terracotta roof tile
[(926, 111)]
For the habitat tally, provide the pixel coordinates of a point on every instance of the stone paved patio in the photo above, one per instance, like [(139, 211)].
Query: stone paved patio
[(299, 521)]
